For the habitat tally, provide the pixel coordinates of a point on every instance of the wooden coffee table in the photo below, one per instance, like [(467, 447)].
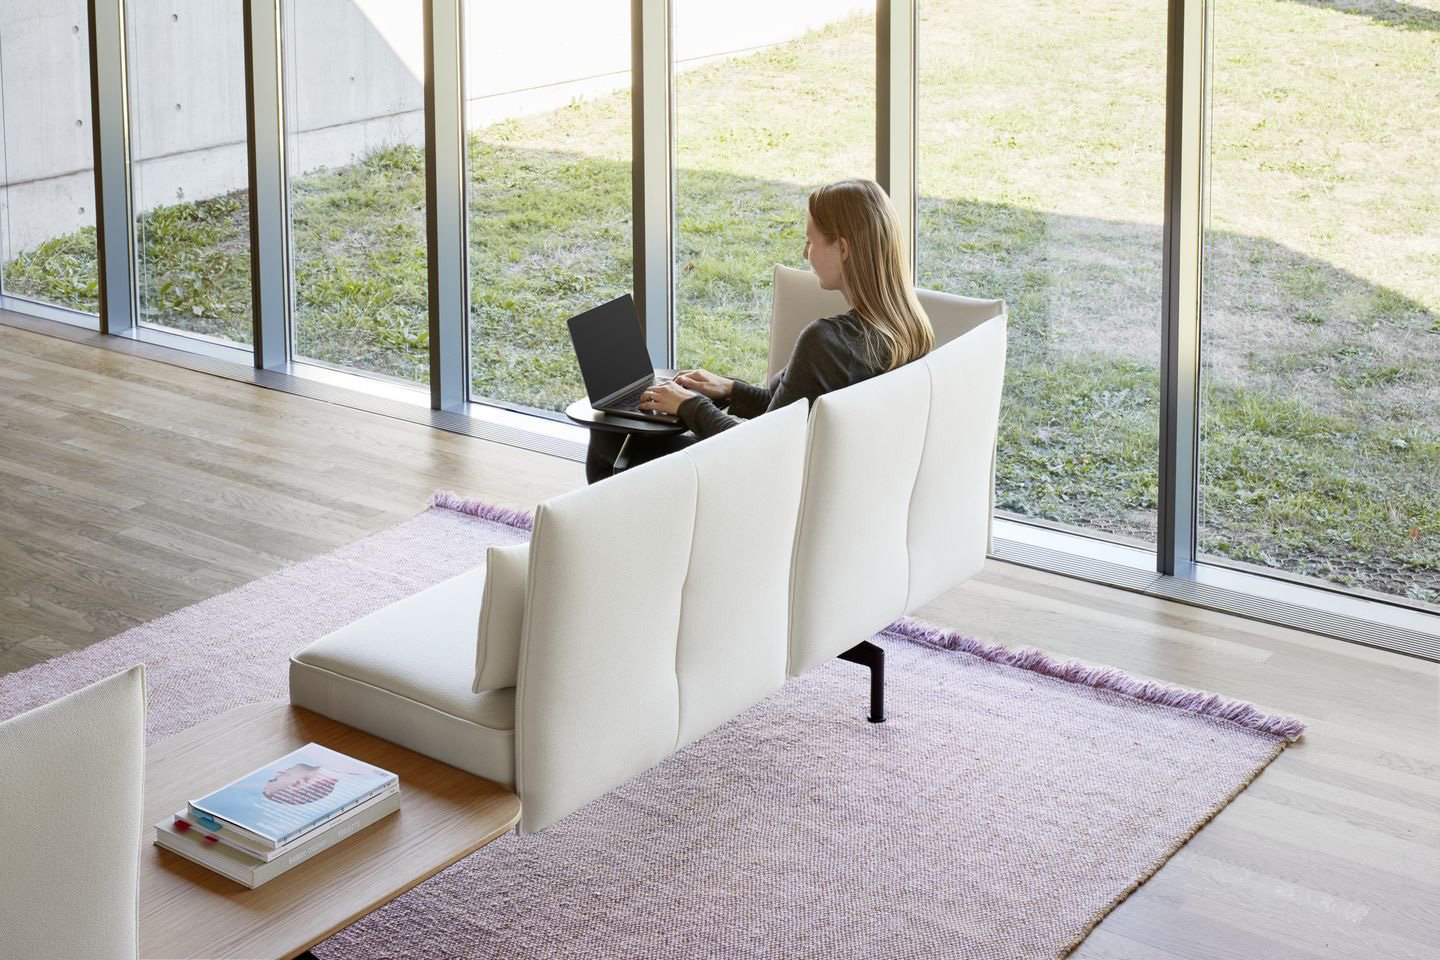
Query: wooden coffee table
[(189, 911)]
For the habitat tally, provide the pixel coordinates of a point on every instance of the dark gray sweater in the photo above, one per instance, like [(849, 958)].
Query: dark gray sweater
[(829, 354)]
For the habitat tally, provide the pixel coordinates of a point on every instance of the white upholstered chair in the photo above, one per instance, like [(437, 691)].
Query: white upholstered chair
[(71, 777), (899, 477), (797, 299)]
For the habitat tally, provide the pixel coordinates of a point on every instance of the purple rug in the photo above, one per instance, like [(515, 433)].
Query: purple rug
[(1009, 803)]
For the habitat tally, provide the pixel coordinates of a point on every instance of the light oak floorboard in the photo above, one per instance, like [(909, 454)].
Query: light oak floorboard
[(130, 488)]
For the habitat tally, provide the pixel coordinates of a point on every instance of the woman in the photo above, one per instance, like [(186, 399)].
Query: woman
[(852, 241)]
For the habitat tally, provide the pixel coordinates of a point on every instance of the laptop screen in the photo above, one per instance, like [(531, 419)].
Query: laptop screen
[(610, 347)]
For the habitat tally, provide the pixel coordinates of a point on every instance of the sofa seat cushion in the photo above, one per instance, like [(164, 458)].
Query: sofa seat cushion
[(404, 674)]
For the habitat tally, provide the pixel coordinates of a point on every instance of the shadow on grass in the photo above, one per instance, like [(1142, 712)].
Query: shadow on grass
[(1321, 391), (1390, 13)]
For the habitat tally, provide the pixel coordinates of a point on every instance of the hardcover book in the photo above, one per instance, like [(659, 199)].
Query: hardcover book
[(250, 871), (186, 821), (290, 797)]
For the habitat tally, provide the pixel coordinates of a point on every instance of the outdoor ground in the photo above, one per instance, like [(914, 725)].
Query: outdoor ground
[(1041, 170)]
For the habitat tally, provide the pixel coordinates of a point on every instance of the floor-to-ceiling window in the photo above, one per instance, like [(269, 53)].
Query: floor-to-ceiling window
[(548, 180), (771, 101), (1041, 181), (1040, 132), (1320, 450), (189, 170), (47, 174), (355, 153)]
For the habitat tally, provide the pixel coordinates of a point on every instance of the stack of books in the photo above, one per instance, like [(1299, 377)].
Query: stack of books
[(277, 817)]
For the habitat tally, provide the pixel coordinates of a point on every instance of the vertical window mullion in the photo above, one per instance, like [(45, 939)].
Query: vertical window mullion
[(1180, 328), (269, 216), (895, 96), (114, 234), (445, 204), (652, 167)]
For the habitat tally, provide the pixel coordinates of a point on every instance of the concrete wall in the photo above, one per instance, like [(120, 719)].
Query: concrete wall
[(45, 166), (354, 71)]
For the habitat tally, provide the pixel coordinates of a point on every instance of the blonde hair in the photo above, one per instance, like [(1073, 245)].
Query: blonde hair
[(877, 273)]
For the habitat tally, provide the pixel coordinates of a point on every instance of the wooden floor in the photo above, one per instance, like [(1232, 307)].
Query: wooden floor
[(130, 488)]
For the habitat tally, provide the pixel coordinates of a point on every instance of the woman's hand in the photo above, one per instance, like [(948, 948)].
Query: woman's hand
[(664, 398), (706, 384)]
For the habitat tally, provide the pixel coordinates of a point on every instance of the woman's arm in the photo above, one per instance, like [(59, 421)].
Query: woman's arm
[(824, 359), (697, 411), (748, 400), (705, 419), (706, 414)]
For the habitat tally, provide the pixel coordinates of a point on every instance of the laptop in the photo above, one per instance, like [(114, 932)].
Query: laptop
[(610, 348)]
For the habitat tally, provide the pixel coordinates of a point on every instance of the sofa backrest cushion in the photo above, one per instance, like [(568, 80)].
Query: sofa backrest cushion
[(732, 642), (656, 610), (71, 778), (502, 615), (951, 503), (851, 563), (895, 506)]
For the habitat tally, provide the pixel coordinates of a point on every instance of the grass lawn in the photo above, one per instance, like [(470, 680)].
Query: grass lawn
[(1041, 171)]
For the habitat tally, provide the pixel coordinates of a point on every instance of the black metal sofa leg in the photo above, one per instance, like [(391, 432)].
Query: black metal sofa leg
[(869, 655)]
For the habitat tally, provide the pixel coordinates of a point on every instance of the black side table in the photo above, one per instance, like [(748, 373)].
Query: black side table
[(587, 416)]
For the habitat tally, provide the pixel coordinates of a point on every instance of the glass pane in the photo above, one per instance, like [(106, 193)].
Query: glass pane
[(771, 101), (47, 211), (190, 176), (547, 88), (355, 142), (1320, 450), (1041, 181)]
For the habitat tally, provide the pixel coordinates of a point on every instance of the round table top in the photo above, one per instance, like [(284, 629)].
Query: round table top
[(582, 413)]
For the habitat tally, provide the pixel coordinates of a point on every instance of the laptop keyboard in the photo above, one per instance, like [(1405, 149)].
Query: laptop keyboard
[(631, 400)]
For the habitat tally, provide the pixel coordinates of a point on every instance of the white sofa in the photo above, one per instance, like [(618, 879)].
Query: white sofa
[(657, 605), (654, 609)]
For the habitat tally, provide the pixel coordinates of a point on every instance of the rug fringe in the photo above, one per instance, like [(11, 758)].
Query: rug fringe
[(1104, 678), (449, 500)]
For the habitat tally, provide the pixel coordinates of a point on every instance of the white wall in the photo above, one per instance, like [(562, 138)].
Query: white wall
[(354, 72)]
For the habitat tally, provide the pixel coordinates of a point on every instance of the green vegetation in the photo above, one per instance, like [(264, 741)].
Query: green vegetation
[(62, 270), (1041, 175), (195, 264), (361, 292)]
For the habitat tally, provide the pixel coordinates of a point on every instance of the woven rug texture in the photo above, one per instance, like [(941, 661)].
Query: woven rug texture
[(999, 814)]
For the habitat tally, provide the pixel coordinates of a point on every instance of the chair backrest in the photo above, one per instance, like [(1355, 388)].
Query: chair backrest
[(896, 504), (797, 299), (656, 609), (71, 777)]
